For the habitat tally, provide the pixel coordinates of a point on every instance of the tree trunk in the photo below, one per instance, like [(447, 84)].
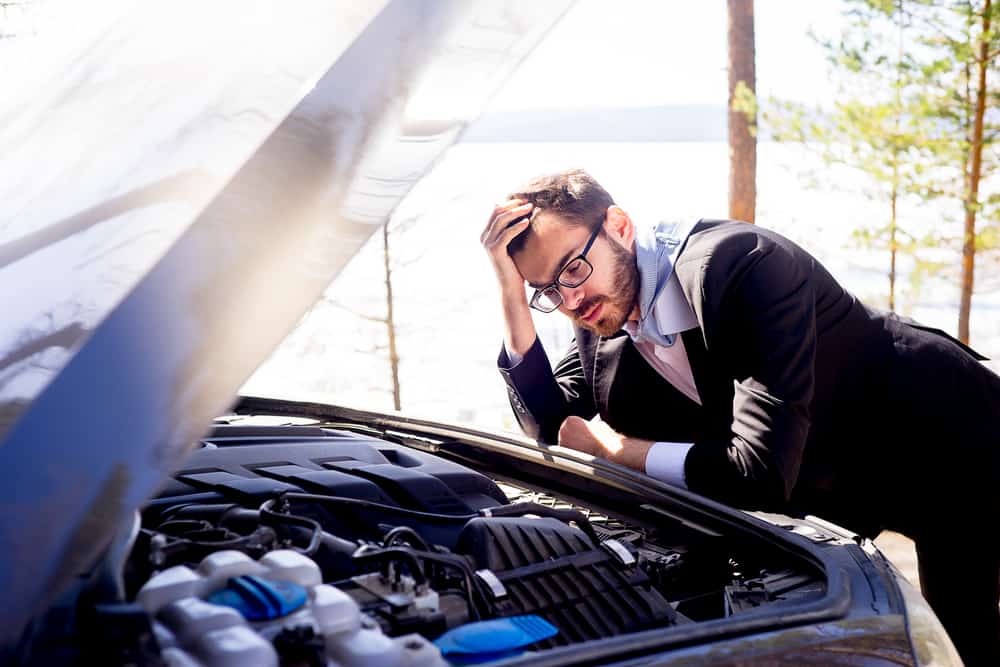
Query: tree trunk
[(742, 143), (975, 170), (892, 250), (896, 155), (390, 321)]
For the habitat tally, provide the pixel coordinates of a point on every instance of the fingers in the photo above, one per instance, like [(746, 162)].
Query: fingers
[(575, 434), (502, 216), (570, 430), (508, 234), (498, 210)]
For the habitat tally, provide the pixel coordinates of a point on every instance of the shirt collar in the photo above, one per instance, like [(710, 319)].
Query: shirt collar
[(663, 309), (670, 310)]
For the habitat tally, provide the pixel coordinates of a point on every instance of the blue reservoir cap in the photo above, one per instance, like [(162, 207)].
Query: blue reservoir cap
[(260, 599), (494, 639)]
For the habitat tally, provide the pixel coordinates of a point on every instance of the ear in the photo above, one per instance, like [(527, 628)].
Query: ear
[(618, 226)]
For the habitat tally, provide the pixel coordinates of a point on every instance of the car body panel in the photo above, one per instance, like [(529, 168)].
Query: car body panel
[(861, 615), (249, 184)]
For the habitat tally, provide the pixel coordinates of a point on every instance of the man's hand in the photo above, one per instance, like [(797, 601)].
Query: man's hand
[(498, 235), (598, 439), (595, 438), (519, 334)]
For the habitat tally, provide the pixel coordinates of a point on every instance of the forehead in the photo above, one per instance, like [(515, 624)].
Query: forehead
[(550, 244)]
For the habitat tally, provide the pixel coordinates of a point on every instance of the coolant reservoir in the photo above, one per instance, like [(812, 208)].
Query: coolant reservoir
[(232, 610)]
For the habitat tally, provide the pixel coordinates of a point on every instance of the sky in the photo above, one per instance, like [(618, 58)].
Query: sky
[(603, 53), (633, 53)]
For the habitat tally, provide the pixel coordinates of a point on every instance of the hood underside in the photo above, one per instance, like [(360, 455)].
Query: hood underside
[(152, 183)]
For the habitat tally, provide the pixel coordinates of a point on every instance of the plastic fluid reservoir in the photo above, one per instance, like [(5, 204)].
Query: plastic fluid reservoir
[(229, 610), (483, 641)]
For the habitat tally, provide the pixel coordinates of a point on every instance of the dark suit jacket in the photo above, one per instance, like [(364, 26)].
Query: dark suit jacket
[(811, 401)]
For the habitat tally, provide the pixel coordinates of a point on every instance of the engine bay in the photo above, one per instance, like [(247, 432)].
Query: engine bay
[(318, 546)]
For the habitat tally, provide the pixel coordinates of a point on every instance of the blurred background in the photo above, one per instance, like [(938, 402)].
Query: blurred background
[(865, 130), (638, 94)]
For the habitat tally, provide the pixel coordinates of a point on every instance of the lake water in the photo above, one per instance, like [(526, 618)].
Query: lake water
[(448, 317)]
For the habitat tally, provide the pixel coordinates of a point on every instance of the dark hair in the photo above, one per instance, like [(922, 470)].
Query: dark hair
[(573, 194)]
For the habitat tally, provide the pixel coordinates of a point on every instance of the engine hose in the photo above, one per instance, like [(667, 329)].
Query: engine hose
[(338, 544), (218, 514), (273, 518), (413, 559), (379, 555), (236, 516), (405, 535), (389, 509), (564, 515), (457, 562)]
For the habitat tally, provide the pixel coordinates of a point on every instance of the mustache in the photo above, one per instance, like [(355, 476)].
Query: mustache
[(587, 305)]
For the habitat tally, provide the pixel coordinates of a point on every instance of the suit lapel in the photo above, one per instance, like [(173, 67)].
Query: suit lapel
[(607, 356), (633, 398)]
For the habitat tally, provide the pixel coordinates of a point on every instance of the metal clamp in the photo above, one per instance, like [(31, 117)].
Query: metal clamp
[(496, 587)]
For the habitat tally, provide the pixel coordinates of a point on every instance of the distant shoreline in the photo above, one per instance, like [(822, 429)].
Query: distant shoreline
[(681, 123)]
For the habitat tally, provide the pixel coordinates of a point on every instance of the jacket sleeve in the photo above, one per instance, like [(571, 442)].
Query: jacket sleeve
[(543, 398), (758, 317)]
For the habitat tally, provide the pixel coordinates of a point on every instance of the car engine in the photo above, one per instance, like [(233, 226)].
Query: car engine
[(318, 546)]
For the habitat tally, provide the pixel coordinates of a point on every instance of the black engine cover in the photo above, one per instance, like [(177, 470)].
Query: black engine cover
[(554, 570), (249, 464)]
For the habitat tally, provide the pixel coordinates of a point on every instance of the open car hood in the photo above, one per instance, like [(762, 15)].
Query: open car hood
[(172, 161)]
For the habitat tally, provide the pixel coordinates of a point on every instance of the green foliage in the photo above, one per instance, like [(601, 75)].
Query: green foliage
[(745, 102), (906, 76)]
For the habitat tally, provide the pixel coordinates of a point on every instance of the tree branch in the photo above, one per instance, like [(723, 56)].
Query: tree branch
[(351, 311), (64, 338)]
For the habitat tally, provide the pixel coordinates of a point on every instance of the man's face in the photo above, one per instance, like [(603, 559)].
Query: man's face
[(607, 298)]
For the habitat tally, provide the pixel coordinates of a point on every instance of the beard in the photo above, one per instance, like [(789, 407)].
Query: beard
[(619, 303)]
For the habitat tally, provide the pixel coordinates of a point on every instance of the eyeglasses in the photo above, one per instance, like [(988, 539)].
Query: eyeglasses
[(573, 274)]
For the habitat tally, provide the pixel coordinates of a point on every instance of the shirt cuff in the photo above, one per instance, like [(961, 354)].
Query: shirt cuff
[(513, 357), (665, 462)]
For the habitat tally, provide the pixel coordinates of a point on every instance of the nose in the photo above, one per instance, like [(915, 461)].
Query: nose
[(572, 296)]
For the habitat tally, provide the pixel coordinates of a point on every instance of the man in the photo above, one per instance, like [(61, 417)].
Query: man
[(722, 357)]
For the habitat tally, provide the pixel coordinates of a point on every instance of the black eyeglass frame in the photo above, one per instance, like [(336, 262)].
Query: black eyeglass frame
[(553, 287)]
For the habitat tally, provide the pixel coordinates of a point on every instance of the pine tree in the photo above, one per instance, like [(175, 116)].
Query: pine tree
[(742, 112), (872, 126), (916, 81), (957, 48)]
